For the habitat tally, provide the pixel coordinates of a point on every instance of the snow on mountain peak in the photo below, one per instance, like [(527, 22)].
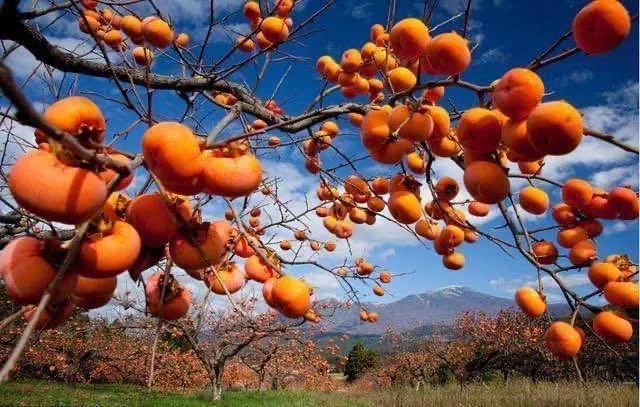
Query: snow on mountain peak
[(451, 291)]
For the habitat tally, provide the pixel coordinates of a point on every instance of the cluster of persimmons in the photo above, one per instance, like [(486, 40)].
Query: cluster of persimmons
[(577, 217), (398, 57), (516, 127), (270, 30), (126, 234), (134, 234), (111, 29)]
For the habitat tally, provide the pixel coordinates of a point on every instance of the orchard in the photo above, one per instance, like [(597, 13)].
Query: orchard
[(164, 181)]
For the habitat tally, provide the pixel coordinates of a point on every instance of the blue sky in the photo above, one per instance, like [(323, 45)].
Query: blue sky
[(508, 34)]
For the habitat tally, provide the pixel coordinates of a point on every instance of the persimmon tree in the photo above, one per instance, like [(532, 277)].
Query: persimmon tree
[(249, 347), (91, 350), (221, 338), (508, 343), (276, 361), (71, 231)]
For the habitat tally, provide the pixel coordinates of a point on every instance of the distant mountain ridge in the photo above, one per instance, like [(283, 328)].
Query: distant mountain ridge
[(439, 306)]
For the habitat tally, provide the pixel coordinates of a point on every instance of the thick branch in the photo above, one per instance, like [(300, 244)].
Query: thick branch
[(609, 138), (27, 115)]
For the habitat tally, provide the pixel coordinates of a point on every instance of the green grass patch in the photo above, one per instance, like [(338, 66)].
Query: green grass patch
[(36, 393), (513, 394)]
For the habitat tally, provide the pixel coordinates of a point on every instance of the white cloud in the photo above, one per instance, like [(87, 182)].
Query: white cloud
[(321, 280), (618, 227), (617, 176), (361, 11), (619, 116), (20, 137), (526, 216), (494, 55), (387, 254), (331, 48), (475, 31), (626, 95), (570, 280), (186, 11), (22, 63), (59, 23), (578, 77), (574, 281), (228, 32)]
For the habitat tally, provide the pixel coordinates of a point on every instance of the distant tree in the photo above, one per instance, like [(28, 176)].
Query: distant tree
[(287, 359), (175, 338), (511, 343), (6, 305), (486, 348), (360, 359)]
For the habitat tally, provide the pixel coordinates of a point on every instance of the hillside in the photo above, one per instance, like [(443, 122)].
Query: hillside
[(413, 312)]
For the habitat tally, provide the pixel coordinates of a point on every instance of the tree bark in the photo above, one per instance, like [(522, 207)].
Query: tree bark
[(216, 382)]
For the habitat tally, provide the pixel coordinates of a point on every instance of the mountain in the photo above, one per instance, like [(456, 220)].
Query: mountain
[(416, 312)]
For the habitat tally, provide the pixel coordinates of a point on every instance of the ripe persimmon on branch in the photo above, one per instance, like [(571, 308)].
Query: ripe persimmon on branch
[(193, 167)]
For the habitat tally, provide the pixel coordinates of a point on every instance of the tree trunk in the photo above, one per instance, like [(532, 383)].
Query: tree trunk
[(216, 390), (216, 382)]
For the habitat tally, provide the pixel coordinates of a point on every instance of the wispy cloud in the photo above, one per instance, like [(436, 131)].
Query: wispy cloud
[(186, 11), (551, 290), (361, 11), (494, 55), (618, 116), (626, 176), (579, 77), (23, 64), (618, 227)]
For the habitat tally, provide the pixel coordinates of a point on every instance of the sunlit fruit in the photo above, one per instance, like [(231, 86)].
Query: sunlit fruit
[(232, 174), (518, 92), (611, 327), (43, 185), (555, 128), (96, 255), (622, 293), (76, 115), (227, 278), (200, 249), (486, 182), (91, 293), (172, 153), (562, 340), (601, 26), (167, 300), (291, 296), (27, 273), (530, 302)]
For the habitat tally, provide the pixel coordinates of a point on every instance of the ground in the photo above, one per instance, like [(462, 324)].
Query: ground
[(516, 393)]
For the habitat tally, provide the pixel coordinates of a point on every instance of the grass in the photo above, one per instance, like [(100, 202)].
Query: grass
[(516, 393), (37, 393)]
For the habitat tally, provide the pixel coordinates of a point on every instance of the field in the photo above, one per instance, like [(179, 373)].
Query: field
[(516, 393)]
